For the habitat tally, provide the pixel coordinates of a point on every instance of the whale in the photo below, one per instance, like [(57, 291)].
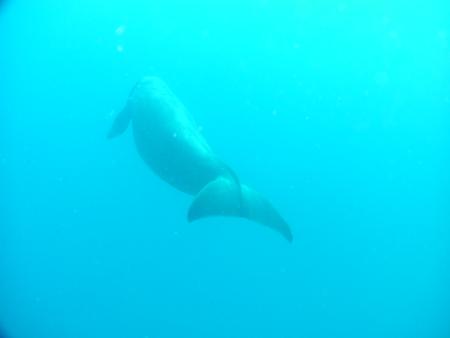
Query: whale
[(171, 143)]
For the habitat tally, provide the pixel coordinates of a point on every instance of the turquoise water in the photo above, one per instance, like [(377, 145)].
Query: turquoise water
[(337, 111)]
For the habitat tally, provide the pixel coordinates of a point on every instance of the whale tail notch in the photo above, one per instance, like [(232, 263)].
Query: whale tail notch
[(120, 123), (224, 197)]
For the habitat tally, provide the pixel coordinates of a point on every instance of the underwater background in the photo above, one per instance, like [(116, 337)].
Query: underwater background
[(337, 111)]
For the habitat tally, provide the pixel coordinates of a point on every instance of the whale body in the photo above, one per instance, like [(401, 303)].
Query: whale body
[(170, 142)]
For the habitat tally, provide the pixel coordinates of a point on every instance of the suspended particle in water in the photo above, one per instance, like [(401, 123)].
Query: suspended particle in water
[(120, 30), (111, 114), (119, 49)]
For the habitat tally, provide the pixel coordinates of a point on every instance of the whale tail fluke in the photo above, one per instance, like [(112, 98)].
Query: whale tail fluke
[(120, 123), (224, 197)]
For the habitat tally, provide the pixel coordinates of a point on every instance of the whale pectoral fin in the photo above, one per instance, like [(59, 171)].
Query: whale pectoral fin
[(223, 197), (120, 123)]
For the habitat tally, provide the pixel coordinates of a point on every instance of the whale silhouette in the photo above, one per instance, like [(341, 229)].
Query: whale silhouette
[(170, 142)]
